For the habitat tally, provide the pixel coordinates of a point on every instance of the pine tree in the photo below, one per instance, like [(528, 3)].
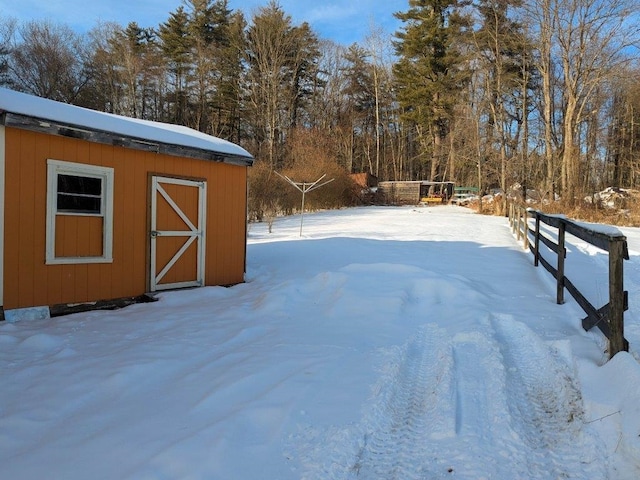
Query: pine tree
[(227, 103), (201, 30), (432, 71), (176, 44), (216, 48), (305, 69), (359, 91)]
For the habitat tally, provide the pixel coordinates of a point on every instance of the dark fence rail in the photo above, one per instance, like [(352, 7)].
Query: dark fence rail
[(608, 318)]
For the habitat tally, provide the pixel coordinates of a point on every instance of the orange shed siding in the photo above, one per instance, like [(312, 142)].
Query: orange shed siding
[(78, 236), (28, 281)]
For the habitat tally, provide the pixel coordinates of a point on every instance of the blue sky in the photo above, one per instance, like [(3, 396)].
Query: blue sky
[(344, 21)]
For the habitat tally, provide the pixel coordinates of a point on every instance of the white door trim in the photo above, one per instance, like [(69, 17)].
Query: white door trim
[(194, 233)]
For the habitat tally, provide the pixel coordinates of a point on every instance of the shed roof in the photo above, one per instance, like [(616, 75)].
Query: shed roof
[(39, 114)]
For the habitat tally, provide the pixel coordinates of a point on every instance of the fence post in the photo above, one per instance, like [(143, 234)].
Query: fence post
[(616, 296), (561, 255), (536, 257), (525, 228)]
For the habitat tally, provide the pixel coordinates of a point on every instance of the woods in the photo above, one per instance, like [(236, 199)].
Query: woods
[(490, 93)]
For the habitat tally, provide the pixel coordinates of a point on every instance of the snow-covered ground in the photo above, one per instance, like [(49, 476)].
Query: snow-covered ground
[(385, 343)]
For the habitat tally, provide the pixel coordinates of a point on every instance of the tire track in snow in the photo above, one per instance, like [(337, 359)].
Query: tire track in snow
[(438, 410), (494, 402), (416, 407), (482, 429), (545, 406)]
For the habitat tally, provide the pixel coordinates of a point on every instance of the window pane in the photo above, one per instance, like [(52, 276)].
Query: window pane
[(79, 185), (78, 204), (78, 194)]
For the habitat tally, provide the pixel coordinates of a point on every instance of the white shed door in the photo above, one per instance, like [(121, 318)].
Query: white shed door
[(177, 236)]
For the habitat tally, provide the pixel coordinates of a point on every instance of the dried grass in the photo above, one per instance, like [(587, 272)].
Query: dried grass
[(629, 216)]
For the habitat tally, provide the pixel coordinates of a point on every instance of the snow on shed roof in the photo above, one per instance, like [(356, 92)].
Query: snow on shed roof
[(27, 111)]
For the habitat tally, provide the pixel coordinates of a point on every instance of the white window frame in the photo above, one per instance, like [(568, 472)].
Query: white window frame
[(58, 167)]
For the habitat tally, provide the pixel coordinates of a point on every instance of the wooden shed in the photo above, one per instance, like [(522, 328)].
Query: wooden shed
[(102, 207), (414, 192)]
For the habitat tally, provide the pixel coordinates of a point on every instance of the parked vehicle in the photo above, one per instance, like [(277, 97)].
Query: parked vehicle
[(463, 199)]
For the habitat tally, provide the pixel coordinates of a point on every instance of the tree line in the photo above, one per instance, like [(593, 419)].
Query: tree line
[(485, 93)]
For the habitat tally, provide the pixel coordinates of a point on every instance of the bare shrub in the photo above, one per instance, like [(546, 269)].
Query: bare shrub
[(312, 153), (594, 212), (265, 196)]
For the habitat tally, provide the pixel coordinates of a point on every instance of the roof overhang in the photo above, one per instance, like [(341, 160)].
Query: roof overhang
[(52, 127)]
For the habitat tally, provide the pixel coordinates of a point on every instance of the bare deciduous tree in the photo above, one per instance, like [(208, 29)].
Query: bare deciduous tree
[(580, 41), (50, 60), (279, 58)]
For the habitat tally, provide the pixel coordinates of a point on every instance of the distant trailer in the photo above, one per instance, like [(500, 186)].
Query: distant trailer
[(99, 208), (466, 190), (415, 192)]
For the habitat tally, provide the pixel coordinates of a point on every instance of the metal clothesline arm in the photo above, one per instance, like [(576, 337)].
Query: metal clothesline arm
[(304, 187)]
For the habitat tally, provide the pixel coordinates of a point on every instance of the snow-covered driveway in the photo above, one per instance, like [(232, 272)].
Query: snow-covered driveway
[(386, 343)]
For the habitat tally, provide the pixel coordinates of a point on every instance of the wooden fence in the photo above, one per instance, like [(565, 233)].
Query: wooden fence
[(608, 318)]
